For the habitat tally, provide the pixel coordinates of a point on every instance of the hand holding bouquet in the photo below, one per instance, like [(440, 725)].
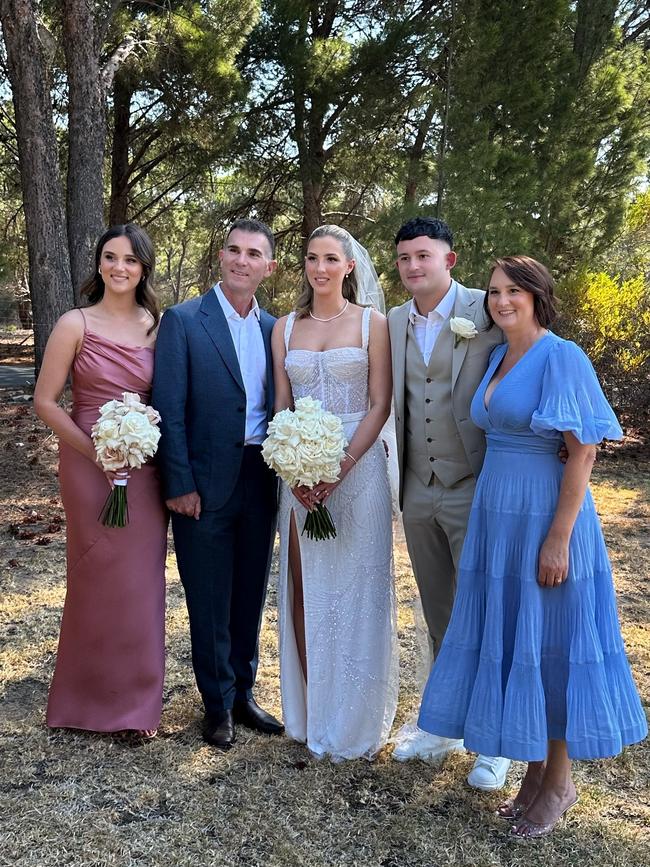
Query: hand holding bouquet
[(126, 434), (306, 446)]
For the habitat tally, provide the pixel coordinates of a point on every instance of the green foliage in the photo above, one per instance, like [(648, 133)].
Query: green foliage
[(610, 318), (526, 126), (186, 96), (546, 138), (607, 312)]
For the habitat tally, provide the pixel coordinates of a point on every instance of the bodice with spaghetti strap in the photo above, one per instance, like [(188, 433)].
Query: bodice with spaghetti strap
[(110, 662), (337, 377), (346, 707), (102, 370)]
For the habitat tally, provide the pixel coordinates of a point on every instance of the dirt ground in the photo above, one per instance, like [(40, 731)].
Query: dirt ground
[(16, 346), (80, 799)]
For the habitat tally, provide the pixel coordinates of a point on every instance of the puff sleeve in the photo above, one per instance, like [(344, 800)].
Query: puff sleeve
[(572, 399)]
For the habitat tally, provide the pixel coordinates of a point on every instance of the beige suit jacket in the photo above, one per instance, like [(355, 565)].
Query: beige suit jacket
[(469, 362)]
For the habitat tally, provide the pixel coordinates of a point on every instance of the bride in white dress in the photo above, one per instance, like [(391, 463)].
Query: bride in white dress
[(338, 649)]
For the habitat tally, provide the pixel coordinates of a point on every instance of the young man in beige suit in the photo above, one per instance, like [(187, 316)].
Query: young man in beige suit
[(438, 363)]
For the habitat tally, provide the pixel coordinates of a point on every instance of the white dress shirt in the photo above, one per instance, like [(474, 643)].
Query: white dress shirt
[(427, 328), (246, 333)]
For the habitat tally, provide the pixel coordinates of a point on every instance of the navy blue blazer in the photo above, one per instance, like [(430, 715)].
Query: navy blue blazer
[(199, 393)]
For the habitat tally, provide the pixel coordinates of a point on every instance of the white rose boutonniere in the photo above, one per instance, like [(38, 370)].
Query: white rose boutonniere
[(464, 329)]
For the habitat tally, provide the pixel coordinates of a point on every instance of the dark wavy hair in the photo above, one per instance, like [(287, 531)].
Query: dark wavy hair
[(304, 303), (145, 295), (531, 276)]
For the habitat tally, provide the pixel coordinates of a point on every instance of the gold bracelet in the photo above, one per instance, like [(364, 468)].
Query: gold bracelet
[(352, 458)]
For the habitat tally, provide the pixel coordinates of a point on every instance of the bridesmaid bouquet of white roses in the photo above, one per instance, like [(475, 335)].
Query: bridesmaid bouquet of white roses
[(125, 435), (306, 446)]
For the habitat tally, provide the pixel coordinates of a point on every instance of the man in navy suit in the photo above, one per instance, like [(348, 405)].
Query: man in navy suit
[(213, 386)]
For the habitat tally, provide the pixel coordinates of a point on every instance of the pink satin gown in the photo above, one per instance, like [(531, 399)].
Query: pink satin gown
[(110, 663)]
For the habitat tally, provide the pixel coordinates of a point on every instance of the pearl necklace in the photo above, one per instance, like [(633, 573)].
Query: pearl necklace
[(336, 315)]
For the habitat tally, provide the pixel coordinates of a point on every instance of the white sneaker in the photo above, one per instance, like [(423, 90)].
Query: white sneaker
[(488, 773), (414, 743)]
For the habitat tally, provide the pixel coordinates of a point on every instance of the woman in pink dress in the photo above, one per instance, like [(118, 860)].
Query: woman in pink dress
[(110, 663)]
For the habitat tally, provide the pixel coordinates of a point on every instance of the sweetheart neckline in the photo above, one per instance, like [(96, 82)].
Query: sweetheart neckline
[(322, 351)]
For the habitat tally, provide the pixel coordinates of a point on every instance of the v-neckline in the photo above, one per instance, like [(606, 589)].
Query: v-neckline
[(486, 406)]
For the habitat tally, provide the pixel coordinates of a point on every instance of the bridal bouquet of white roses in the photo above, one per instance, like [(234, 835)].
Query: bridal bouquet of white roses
[(125, 435), (306, 446)]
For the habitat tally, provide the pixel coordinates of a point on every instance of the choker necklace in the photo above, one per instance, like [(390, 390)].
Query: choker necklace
[(336, 315)]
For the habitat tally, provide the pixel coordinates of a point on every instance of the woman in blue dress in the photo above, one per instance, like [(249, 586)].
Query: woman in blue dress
[(533, 665)]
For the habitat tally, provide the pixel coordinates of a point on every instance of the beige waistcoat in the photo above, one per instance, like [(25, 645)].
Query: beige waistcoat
[(431, 440), (469, 359)]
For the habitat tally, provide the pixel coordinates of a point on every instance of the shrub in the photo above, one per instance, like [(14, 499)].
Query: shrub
[(610, 318)]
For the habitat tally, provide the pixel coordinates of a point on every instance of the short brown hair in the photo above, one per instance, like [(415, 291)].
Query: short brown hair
[(531, 276)]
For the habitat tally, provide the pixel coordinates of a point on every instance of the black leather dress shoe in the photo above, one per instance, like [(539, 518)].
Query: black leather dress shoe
[(219, 729), (251, 715)]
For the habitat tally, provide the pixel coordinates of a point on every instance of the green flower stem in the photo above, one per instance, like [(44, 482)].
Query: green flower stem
[(319, 524), (116, 508)]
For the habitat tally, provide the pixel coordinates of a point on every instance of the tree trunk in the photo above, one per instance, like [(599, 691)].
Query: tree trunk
[(122, 94), (594, 22), (179, 272), (417, 153), (86, 135), (49, 263), (308, 135), (442, 152)]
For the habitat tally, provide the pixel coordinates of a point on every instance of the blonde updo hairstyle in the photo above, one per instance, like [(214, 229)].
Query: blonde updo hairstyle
[(306, 299)]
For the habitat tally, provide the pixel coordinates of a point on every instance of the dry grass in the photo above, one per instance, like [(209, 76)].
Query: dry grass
[(80, 799)]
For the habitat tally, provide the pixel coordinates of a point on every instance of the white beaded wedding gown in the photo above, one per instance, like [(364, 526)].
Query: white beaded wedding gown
[(346, 707)]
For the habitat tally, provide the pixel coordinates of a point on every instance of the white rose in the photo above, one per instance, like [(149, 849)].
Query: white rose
[(134, 426), (331, 424), (286, 464), (463, 328), (105, 429), (307, 407), (146, 445), (109, 407), (132, 400), (137, 433), (282, 417), (284, 429), (153, 415), (309, 452), (310, 429), (332, 447)]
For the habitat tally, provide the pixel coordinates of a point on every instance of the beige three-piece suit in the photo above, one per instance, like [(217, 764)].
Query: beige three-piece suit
[(439, 449)]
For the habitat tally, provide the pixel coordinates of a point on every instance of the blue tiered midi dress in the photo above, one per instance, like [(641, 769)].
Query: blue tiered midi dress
[(521, 664)]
